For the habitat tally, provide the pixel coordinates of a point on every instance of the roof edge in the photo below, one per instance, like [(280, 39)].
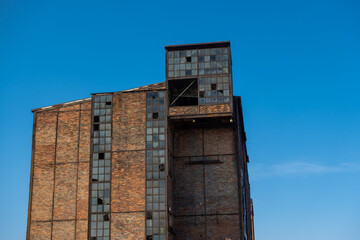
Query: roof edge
[(198, 45), (60, 105)]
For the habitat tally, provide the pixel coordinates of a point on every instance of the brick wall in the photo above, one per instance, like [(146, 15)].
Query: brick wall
[(60, 176), (202, 109), (206, 204), (128, 167)]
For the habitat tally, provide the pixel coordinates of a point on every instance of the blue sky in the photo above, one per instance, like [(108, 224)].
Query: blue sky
[(296, 65)]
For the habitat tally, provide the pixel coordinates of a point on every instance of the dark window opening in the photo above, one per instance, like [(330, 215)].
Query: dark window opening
[(108, 103), (183, 92), (96, 119), (106, 217), (213, 86), (149, 237), (220, 92), (101, 155), (155, 115), (93, 238), (202, 94), (96, 127), (188, 59), (161, 167), (148, 215), (212, 58), (94, 180), (100, 201)]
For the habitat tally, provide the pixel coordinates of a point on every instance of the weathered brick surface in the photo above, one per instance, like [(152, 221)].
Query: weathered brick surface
[(219, 141), (44, 154), (72, 107), (224, 227), (128, 181), (221, 188), (202, 109), (43, 184), (40, 231), (188, 188), (217, 108), (45, 137), (67, 137), (183, 110), (128, 226), (83, 191), (85, 134), (65, 191), (129, 121), (46, 127), (70, 177), (63, 230), (86, 105), (190, 228), (188, 142), (82, 230), (209, 188)]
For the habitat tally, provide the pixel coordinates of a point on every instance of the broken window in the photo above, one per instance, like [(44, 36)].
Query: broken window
[(149, 215), (213, 86), (100, 168), (183, 92), (214, 90)]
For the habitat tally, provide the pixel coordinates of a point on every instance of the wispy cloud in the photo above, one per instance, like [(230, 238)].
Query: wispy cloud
[(300, 168)]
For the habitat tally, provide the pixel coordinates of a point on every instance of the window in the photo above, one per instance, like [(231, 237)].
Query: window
[(183, 92), (214, 90), (100, 168)]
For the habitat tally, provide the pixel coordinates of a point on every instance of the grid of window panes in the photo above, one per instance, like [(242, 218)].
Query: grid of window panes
[(182, 63), (101, 168), (155, 166), (200, 62), (213, 61), (213, 90)]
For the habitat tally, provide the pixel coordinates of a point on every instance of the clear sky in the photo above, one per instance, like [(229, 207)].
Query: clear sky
[(296, 65)]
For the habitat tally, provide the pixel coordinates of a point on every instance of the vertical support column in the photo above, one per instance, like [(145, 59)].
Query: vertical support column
[(156, 209), (100, 168)]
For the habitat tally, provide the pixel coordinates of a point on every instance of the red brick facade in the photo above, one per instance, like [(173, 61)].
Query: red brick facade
[(206, 169)]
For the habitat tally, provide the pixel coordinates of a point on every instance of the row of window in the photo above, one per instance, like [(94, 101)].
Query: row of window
[(200, 52), (197, 62), (101, 168), (155, 166)]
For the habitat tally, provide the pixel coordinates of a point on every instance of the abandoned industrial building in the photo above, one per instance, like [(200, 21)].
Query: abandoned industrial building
[(158, 162)]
